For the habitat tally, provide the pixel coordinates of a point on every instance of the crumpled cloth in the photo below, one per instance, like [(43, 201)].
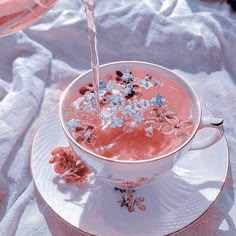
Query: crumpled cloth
[(196, 39)]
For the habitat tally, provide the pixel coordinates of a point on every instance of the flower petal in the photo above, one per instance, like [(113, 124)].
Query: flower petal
[(181, 134), (140, 199), (80, 139), (53, 159), (130, 209), (186, 124), (141, 207), (82, 180), (92, 140), (70, 178), (172, 119), (58, 150), (60, 168), (166, 129)]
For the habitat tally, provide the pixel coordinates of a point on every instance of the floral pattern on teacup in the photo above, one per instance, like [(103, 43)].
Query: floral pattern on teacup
[(130, 201)]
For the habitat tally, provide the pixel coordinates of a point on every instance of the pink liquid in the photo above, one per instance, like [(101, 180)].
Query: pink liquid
[(18, 14), (152, 130)]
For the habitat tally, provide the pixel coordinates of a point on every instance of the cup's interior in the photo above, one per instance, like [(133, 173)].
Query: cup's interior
[(72, 90)]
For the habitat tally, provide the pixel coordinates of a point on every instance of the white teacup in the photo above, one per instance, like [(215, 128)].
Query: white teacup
[(131, 174)]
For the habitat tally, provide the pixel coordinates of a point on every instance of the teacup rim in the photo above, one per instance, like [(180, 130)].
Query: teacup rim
[(100, 157)]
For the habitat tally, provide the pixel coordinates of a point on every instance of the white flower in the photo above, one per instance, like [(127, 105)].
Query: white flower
[(147, 77), (146, 84), (158, 82), (87, 134), (116, 122), (181, 129), (78, 104), (116, 100), (103, 85), (127, 77), (90, 103), (129, 89), (73, 123), (129, 110), (138, 118), (144, 104), (158, 100)]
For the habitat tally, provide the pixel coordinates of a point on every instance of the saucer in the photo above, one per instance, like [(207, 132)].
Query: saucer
[(172, 202)]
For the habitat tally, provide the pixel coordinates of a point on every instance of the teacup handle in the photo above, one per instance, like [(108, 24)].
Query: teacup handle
[(212, 122)]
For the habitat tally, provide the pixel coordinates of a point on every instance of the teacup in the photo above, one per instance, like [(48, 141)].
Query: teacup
[(134, 173)]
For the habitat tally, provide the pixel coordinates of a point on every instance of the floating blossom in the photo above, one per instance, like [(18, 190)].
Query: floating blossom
[(146, 84), (127, 77), (129, 110), (138, 118), (78, 104), (149, 127), (116, 122), (68, 165), (88, 88), (158, 82), (143, 104), (103, 85), (133, 90), (89, 102), (73, 123), (116, 100), (85, 135), (163, 114), (181, 129), (104, 97), (85, 102), (147, 77), (158, 100), (109, 85), (129, 90)]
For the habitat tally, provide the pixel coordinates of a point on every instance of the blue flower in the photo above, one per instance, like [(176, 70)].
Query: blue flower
[(89, 102), (116, 122), (158, 100), (73, 123), (127, 77), (149, 130), (158, 82), (87, 134), (78, 104), (103, 85), (129, 110), (146, 84), (138, 118), (144, 104), (129, 89), (116, 100)]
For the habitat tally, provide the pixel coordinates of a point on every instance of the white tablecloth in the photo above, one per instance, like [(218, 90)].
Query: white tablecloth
[(197, 39)]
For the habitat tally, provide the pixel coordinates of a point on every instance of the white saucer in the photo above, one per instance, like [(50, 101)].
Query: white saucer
[(174, 201)]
